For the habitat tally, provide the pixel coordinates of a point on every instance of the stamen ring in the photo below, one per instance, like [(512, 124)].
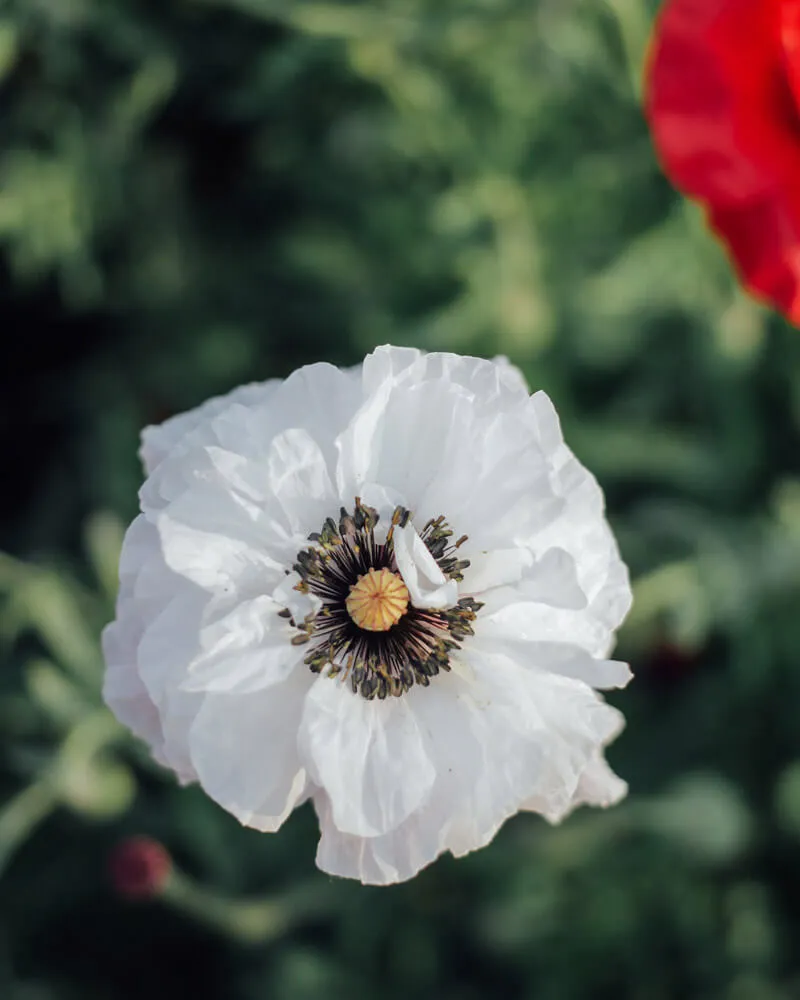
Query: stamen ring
[(367, 630)]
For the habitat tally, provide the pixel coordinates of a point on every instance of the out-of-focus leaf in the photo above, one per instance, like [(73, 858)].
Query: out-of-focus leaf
[(704, 814), (104, 533), (54, 693), (88, 779), (787, 799)]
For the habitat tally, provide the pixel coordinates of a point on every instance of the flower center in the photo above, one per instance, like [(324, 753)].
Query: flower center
[(366, 628), (378, 600)]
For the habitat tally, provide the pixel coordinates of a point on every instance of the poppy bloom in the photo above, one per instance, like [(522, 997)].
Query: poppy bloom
[(390, 589), (722, 100)]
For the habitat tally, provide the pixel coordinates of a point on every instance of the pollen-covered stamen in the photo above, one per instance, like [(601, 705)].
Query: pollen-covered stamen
[(367, 628), (378, 600)]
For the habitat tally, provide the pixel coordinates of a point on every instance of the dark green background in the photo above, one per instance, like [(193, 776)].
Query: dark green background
[(196, 193)]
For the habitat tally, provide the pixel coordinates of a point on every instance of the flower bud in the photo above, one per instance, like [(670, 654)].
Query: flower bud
[(139, 868)]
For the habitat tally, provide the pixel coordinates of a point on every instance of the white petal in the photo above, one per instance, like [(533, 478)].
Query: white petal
[(320, 399), (218, 542), (427, 585), (227, 450), (510, 740), (246, 650), (141, 568), (582, 529), (298, 478), (170, 641), (446, 433), (123, 690), (393, 857), (178, 711), (316, 401), (514, 719), (550, 726), (545, 624), (386, 364), (368, 756), (236, 520), (244, 750), (536, 621), (515, 575), (390, 441), (497, 489), (495, 568), (562, 658), (493, 384), (528, 612), (158, 441), (510, 377), (599, 786)]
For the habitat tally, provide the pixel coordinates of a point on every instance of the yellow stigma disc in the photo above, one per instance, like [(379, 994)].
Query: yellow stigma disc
[(377, 600)]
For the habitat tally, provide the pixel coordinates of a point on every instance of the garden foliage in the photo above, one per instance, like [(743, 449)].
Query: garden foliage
[(196, 193)]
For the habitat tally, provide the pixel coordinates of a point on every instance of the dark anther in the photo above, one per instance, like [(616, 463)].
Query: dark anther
[(417, 647)]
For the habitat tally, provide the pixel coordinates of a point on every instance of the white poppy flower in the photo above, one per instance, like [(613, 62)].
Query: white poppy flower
[(391, 589)]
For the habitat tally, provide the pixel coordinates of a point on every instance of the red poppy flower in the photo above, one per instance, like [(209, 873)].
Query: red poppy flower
[(723, 102)]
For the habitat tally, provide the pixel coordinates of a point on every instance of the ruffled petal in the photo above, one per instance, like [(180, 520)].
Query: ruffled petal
[(243, 651), (389, 440), (581, 529), (507, 741), (427, 585), (123, 689), (393, 857), (598, 786), (491, 384), (159, 440), (299, 480), (495, 568), (509, 576), (556, 657), (316, 401), (233, 550), (244, 749), (368, 756), (551, 629), (146, 587), (483, 469)]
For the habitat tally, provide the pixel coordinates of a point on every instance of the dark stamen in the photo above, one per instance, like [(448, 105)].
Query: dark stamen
[(411, 651)]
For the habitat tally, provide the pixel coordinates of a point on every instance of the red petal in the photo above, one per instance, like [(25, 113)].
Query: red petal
[(726, 125), (790, 40)]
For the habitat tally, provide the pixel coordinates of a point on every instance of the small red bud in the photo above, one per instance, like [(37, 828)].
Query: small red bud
[(139, 868)]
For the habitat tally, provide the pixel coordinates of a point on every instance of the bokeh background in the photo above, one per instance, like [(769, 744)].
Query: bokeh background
[(197, 193)]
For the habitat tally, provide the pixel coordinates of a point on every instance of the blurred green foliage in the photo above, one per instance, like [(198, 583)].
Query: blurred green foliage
[(195, 193)]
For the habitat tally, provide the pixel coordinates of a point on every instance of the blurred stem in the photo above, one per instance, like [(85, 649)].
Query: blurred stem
[(92, 734), (57, 614), (256, 921), (23, 813), (11, 571), (249, 922), (42, 599), (104, 533)]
